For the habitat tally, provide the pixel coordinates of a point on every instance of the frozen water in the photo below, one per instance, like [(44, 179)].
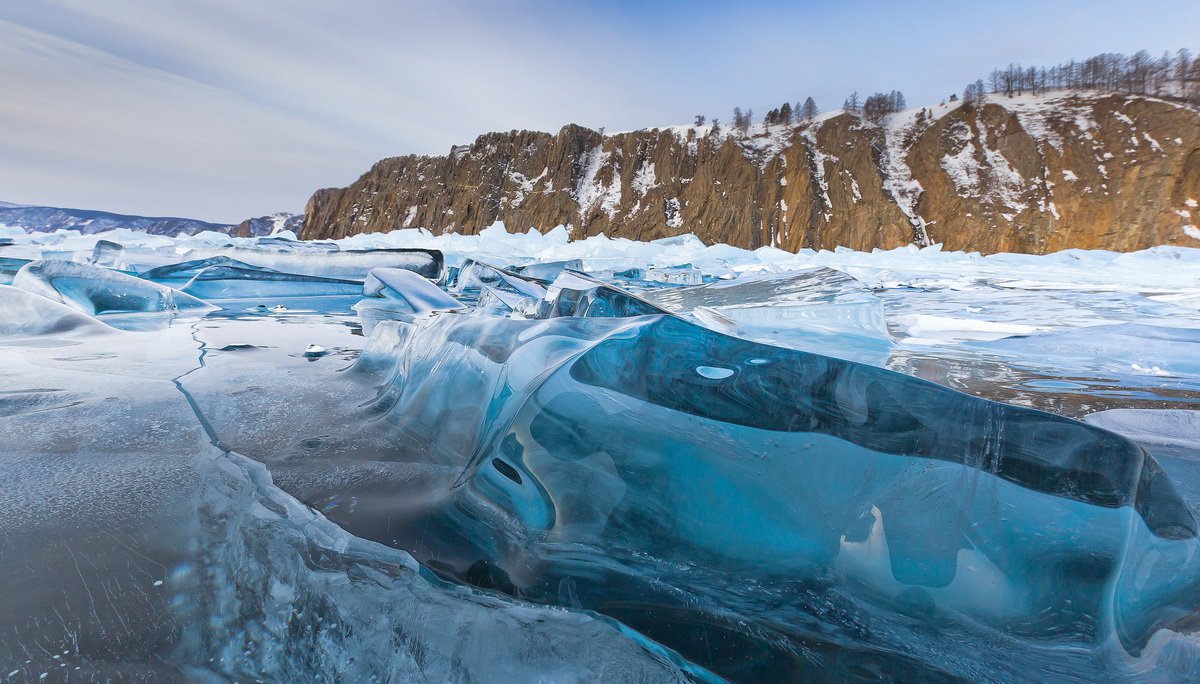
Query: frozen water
[(219, 278), (819, 310), (96, 290), (604, 461), (393, 293)]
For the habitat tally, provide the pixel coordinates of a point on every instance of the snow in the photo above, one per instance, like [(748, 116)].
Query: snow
[(992, 179), (817, 160), (524, 186), (644, 180), (590, 193), (898, 180), (924, 329), (1043, 115), (1069, 176), (1192, 232)]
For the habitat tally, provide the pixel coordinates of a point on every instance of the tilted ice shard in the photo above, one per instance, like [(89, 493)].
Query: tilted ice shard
[(24, 313), (109, 254), (225, 278), (474, 275), (393, 293), (615, 452), (95, 290), (574, 294), (409, 290), (547, 270)]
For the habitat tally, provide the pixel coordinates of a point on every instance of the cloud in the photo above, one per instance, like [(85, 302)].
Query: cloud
[(223, 109)]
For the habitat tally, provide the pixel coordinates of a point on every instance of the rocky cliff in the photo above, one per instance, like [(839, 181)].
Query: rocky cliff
[(1032, 174)]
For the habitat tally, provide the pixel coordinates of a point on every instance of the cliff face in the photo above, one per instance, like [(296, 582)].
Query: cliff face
[(1022, 175)]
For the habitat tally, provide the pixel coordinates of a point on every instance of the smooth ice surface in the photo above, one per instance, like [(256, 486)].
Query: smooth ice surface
[(520, 458), (96, 290), (226, 278), (820, 310)]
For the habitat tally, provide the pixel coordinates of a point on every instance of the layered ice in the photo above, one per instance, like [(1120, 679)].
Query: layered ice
[(770, 464), (597, 460), (96, 290), (391, 293), (227, 278)]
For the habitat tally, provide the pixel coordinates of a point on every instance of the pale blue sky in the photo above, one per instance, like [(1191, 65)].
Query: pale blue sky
[(223, 109)]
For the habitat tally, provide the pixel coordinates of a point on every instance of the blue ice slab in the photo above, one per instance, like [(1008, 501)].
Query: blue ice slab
[(595, 443), (9, 267), (95, 290), (222, 277), (575, 294), (345, 264)]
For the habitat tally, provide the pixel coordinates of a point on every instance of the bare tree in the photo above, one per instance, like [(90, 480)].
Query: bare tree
[(852, 104), (699, 120)]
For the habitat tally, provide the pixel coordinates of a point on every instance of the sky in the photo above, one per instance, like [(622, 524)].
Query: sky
[(226, 109)]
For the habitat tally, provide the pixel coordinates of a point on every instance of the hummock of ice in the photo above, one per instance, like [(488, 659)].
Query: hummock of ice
[(597, 460)]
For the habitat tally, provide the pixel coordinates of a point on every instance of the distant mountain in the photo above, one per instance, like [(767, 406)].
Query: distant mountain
[(50, 219), (268, 225), (1023, 174)]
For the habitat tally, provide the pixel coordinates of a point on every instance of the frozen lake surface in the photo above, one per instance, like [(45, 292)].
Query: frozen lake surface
[(517, 458)]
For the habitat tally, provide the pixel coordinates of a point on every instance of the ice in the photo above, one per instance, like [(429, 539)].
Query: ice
[(134, 549), (575, 294), (8, 269), (396, 293), (226, 278), (605, 461), (95, 290), (1168, 427), (109, 255), (345, 264), (25, 314), (548, 270), (820, 310), (1123, 349), (409, 290), (473, 276)]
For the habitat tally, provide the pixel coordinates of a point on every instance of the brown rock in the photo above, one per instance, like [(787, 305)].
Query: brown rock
[(1031, 176)]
